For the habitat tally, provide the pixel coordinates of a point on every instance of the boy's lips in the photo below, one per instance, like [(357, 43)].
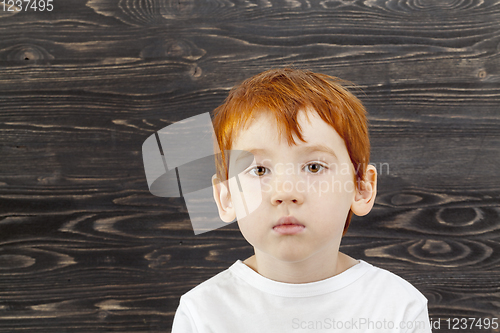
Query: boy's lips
[(288, 225)]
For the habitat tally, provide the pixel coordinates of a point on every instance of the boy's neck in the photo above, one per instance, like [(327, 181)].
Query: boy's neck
[(300, 272)]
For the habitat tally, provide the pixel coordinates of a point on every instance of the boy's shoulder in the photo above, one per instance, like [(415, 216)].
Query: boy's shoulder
[(388, 283), (219, 280), (223, 283)]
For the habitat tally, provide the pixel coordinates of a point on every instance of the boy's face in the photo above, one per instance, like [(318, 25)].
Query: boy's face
[(311, 183)]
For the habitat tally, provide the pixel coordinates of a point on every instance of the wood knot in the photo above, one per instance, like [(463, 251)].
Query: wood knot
[(402, 199), (196, 71), (172, 49), (436, 247), (459, 217), (28, 53)]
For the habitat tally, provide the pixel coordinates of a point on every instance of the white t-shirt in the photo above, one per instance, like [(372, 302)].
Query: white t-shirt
[(363, 298)]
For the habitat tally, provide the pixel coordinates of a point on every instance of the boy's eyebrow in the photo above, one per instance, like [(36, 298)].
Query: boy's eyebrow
[(303, 149), (320, 148)]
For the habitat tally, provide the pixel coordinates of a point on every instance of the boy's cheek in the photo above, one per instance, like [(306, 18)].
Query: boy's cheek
[(246, 196)]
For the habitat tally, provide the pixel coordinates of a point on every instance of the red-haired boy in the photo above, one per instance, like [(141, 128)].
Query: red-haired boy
[(309, 139)]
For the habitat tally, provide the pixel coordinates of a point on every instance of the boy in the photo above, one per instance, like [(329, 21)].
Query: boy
[(310, 173)]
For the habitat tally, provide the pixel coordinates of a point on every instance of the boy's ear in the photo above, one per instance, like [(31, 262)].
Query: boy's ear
[(223, 200), (365, 192)]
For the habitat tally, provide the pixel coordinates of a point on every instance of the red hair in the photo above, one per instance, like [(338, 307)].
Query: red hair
[(283, 93)]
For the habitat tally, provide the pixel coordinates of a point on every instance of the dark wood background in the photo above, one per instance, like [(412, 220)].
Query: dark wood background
[(84, 246)]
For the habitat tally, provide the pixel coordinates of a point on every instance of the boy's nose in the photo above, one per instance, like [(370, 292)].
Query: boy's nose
[(286, 189)]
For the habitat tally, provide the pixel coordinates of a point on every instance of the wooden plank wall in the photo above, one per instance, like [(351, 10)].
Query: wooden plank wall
[(84, 246)]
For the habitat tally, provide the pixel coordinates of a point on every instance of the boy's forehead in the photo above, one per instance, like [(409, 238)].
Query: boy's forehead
[(263, 130), (262, 138), (264, 125)]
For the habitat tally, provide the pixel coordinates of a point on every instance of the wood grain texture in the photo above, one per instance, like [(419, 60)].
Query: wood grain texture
[(84, 246)]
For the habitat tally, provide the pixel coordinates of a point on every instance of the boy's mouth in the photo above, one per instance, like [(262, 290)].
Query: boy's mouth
[(288, 225)]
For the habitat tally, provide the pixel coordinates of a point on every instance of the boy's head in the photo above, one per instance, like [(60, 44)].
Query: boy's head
[(283, 95)]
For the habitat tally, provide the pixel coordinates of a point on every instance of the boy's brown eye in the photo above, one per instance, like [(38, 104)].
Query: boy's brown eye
[(260, 171), (314, 167)]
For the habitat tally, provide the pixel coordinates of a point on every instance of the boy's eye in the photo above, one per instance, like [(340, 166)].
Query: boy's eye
[(258, 171), (314, 167)]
